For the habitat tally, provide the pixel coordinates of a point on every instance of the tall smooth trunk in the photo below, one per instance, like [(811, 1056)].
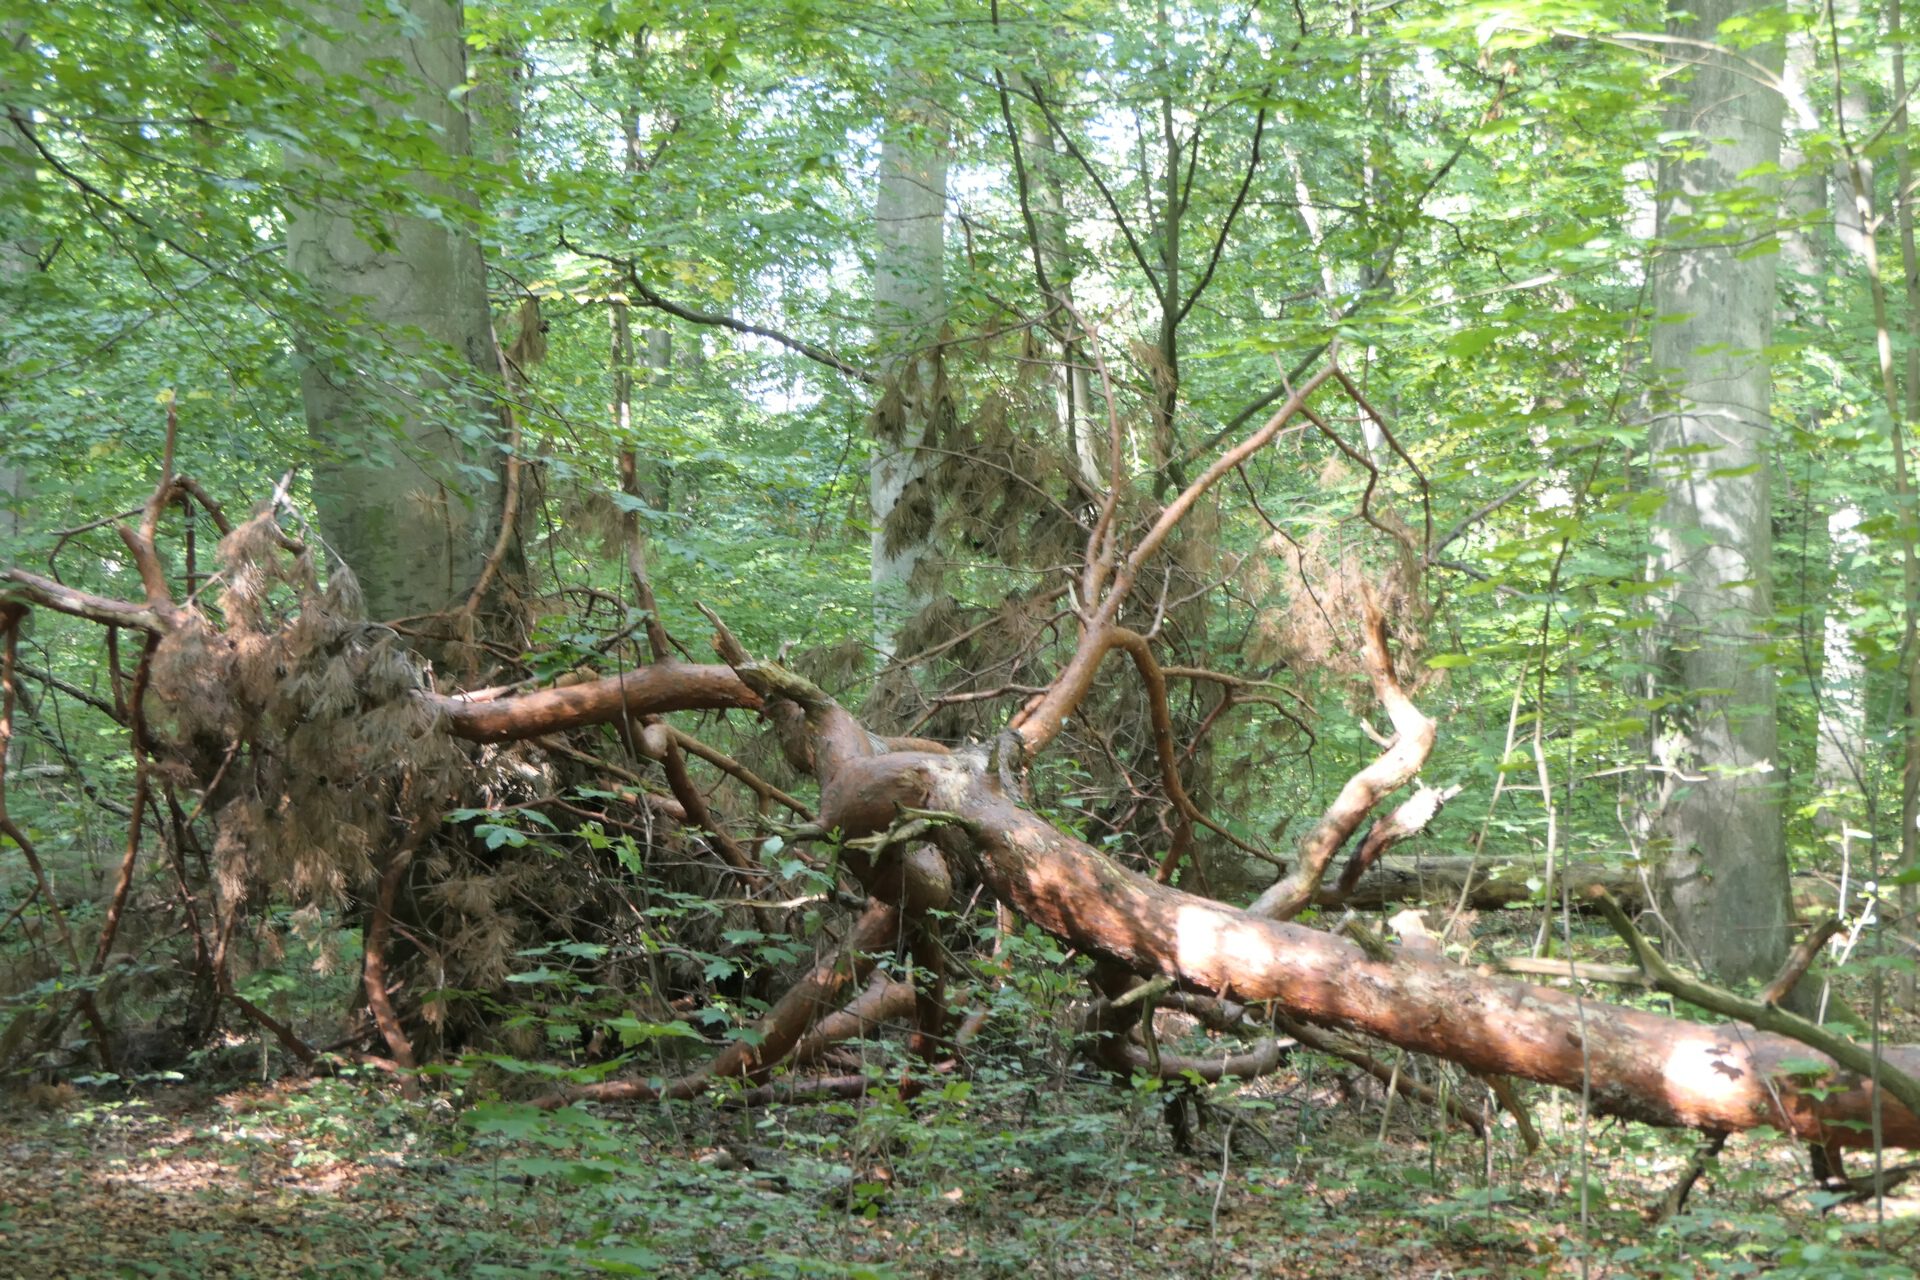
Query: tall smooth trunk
[(1812, 194), (1073, 378), (408, 482), (1909, 850), (910, 303), (16, 261), (1717, 829)]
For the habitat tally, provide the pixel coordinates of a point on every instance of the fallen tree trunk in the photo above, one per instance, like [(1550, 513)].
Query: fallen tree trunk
[(1639, 1066), (1487, 884), (885, 800), (1484, 883)]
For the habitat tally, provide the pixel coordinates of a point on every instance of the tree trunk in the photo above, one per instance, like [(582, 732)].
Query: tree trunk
[(1841, 752), (1637, 1065), (16, 261), (408, 479), (910, 303), (1812, 195), (1073, 378), (1718, 827), (1909, 855), (642, 477)]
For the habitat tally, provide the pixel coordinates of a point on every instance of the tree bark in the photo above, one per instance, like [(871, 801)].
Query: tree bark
[(1909, 863), (646, 691), (408, 479), (1717, 828), (16, 262), (910, 303)]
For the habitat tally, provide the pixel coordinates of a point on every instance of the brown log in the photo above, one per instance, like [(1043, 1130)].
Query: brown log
[(1494, 884), (1489, 884)]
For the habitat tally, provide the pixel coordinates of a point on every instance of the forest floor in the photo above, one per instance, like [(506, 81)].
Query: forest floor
[(1000, 1176)]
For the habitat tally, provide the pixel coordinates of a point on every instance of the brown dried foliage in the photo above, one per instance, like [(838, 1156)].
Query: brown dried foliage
[(1315, 589)]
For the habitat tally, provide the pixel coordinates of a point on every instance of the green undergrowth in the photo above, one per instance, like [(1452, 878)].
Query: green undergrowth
[(1022, 1167)]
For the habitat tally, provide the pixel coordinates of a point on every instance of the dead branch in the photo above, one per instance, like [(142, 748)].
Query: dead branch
[(1898, 1080), (123, 882), (645, 691), (1624, 975), (1704, 1153), (1409, 819), (31, 588), (510, 498), (1414, 734), (11, 617), (373, 964), (1263, 1059), (1406, 1086), (1041, 720), (658, 743), (739, 772), (1161, 718), (777, 1033), (1800, 960), (885, 999), (280, 1031), (1481, 883)]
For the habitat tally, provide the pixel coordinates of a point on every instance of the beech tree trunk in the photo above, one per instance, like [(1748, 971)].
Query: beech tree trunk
[(1717, 827), (16, 261), (1909, 982), (641, 474), (910, 303), (1840, 754), (407, 480), (1073, 378), (1813, 195)]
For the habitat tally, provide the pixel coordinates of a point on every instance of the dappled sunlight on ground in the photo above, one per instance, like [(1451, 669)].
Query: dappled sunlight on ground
[(340, 1179)]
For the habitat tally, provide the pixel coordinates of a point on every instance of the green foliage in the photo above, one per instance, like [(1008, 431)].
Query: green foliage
[(1459, 194)]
